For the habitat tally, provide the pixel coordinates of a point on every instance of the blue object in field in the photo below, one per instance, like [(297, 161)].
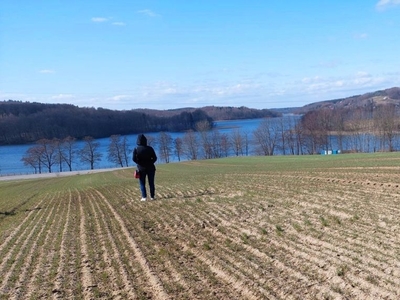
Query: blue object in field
[(329, 152)]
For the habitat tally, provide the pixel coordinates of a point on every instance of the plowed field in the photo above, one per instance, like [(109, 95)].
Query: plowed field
[(313, 227)]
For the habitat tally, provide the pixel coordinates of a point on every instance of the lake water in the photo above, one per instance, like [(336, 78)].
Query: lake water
[(11, 164)]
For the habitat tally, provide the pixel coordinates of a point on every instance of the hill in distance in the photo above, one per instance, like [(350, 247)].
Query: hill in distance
[(217, 112), (382, 97)]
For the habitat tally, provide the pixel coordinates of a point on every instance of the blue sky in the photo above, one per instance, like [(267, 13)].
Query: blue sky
[(160, 54)]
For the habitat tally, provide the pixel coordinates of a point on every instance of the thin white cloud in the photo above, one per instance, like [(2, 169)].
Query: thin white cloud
[(326, 88), (117, 98), (62, 97), (383, 4), (360, 36), (104, 20), (100, 19), (46, 71), (118, 23), (204, 92), (148, 12)]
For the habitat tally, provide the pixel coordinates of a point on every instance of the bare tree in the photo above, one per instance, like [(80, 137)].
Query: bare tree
[(58, 154), (314, 127), (281, 126), (338, 123), (165, 141), (225, 144), (125, 150), (90, 152), (116, 150), (178, 146), (68, 150), (33, 158), (266, 136), (299, 138), (290, 139), (206, 140), (386, 122), (246, 143), (237, 142), (190, 145), (325, 125), (358, 127), (47, 149), (216, 144), (291, 136)]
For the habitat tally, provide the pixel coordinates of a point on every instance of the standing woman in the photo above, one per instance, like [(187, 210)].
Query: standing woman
[(145, 157)]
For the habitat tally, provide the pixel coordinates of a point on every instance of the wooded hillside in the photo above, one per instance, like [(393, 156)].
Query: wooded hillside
[(218, 113), (370, 101), (24, 122)]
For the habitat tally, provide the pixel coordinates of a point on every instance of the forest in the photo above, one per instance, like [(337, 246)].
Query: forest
[(25, 122)]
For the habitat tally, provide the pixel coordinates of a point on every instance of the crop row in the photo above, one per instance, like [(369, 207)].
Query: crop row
[(289, 235)]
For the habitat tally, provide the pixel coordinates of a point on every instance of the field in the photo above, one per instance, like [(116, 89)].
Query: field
[(308, 227)]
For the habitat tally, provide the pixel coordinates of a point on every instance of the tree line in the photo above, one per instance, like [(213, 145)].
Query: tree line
[(48, 155), (61, 154), (364, 129), (369, 128)]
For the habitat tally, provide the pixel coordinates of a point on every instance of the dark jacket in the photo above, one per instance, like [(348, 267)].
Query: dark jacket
[(144, 156)]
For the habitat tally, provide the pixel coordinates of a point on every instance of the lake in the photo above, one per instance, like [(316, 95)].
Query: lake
[(11, 164)]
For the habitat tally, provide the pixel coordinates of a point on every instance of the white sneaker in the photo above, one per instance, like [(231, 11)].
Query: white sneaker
[(143, 199), (152, 199)]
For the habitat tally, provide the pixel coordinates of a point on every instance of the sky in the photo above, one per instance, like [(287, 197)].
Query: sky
[(160, 54)]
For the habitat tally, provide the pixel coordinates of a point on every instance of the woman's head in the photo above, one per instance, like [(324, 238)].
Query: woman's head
[(141, 140)]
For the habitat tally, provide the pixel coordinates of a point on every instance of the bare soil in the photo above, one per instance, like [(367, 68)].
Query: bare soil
[(293, 235)]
